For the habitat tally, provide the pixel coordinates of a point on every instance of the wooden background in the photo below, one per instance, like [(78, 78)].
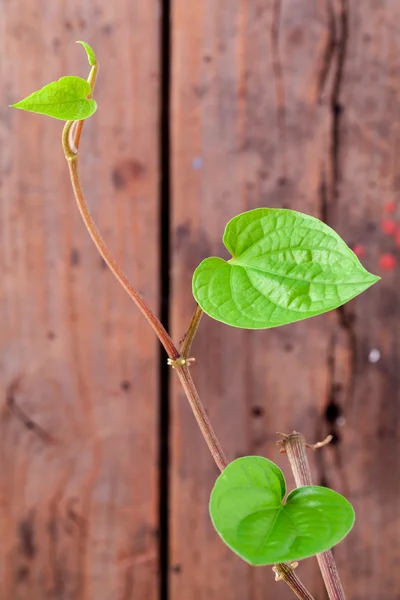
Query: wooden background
[(284, 103)]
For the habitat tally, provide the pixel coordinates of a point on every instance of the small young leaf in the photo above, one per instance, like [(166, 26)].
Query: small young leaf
[(90, 53), (248, 512), (65, 99), (286, 266)]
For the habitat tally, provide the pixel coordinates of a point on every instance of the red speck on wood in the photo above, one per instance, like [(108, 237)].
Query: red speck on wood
[(388, 262), (388, 227), (359, 250), (390, 207), (398, 237)]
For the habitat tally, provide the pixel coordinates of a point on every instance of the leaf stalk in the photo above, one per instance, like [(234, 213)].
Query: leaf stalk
[(187, 340)]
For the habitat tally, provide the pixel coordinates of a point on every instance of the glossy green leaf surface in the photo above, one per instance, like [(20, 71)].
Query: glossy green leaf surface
[(90, 53), (64, 99), (285, 266), (248, 512)]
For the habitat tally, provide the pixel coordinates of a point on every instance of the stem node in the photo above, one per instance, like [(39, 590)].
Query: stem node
[(180, 362)]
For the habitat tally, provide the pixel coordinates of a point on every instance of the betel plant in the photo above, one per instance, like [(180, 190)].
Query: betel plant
[(285, 266)]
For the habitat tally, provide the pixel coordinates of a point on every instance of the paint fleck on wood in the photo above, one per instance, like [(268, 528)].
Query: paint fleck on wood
[(388, 226), (388, 262), (390, 207), (359, 250)]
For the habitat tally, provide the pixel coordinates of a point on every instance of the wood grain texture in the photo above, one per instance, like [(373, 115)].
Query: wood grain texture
[(287, 104), (367, 196), (274, 103), (78, 490)]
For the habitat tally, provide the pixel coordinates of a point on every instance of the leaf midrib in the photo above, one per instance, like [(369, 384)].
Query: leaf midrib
[(72, 101), (235, 262)]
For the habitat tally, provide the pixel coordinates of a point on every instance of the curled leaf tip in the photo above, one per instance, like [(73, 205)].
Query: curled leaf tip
[(90, 53)]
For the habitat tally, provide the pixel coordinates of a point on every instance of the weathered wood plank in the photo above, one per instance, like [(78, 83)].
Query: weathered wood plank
[(78, 511), (257, 121), (365, 211)]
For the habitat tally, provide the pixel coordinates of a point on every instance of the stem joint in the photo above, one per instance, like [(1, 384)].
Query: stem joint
[(181, 361)]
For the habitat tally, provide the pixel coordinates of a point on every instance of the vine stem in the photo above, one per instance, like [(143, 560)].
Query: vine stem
[(294, 445), (72, 159), (178, 359), (179, 364)]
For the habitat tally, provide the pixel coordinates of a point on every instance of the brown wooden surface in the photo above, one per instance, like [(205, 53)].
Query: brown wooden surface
[(288, 104), (78, 517)]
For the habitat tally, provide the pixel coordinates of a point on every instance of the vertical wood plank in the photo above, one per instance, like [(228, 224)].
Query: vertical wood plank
[(366, 207), (79, 514), (256, 121)]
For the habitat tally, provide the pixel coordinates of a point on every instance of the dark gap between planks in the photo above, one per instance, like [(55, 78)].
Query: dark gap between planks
[(164, 265)]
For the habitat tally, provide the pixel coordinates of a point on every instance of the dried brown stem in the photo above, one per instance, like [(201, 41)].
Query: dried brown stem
[(295, 445)]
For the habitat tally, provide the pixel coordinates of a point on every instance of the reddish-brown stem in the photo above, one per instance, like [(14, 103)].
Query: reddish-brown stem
[(295, 446), (173, 353), (102, 248), (178, 360), (202, 419)]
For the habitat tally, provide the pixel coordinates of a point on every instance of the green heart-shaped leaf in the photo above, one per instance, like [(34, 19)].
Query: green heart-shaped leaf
[(248, 512), (286, 266), (65, 99)]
